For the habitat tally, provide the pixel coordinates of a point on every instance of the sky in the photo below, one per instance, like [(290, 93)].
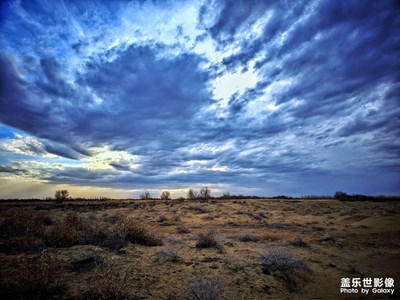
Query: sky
[(114, 98)]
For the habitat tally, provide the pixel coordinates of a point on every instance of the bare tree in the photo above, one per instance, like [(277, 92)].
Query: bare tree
[(205, 193), (165, 195), (192, 195), (145, 196), (61, 195), (226, 195)]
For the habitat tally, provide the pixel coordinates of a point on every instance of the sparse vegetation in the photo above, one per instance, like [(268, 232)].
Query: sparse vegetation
[(247, 237), (137, 232), (209, 240), (200, 288), (61, 234), (35, 277), (330, 237), (285, 267), (299, 242), (111, 285), (169, 255), (182, 229), (87, 239), (198, 208), (162, 218)]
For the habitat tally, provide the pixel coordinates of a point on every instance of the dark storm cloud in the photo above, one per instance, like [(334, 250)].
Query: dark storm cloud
[(12, 170), (326, 97), (339, 52)]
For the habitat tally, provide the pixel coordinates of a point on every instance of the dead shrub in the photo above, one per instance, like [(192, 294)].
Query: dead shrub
[(247, 237), (61, 234), (330, 237), (285, 267), (182, 229), (200, 288), (198, 208), (162, 218), (139, 233), (209, 240), (299, 242), (169, 255), (74, 219), (112, 285), (114, 239)]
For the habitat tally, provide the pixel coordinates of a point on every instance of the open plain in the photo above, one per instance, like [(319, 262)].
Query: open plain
[(181, 249)]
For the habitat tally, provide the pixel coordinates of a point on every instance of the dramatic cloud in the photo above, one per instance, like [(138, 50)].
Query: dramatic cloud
[(254, 97)]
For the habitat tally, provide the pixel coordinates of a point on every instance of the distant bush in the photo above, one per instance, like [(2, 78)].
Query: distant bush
[(61, 195), (205, 193), (170, 255), (161, 218), (247, 237), (226, 195), (340, 195), (205, 289), (165, 195), (192, 195), (299, 242), (285, 267), (182, 229), (330, 237), (145, 196), (198, 208)]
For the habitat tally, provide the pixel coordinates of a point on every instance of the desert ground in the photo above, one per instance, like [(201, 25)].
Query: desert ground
[(181, 249)]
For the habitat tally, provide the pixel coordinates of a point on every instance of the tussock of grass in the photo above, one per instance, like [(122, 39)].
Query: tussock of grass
[(205, 289), (209, 240), (62, 234), (247, 237), (139, 233), (285, 267), (111, 285), (182, 229), (198, 208), (169, 255), (299, 242), (330, 237)]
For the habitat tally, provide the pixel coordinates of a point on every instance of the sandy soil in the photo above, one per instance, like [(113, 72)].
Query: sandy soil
[(340, 239)]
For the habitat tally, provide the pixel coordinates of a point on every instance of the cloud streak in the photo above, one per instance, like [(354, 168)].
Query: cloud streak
[(250, 95)]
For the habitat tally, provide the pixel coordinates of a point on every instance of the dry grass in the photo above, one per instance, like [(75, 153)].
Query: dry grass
[(200, 288), (286, 267), (247, 237), (62, 234), (209, 240), (112, 285), (35, 277), (139, 233), (92, 242)]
